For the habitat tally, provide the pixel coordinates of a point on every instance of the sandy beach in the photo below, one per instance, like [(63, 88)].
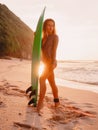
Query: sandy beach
[(78, 108)]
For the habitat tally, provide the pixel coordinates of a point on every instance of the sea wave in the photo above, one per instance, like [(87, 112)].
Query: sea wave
[(85, 72), (76, 85)]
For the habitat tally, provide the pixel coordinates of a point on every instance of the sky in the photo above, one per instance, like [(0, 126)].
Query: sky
[(76, 24)]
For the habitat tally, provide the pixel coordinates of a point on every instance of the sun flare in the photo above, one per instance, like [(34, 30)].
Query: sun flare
[(41, 69)]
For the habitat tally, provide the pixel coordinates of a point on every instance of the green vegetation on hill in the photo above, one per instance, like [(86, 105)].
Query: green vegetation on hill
[(16, 37)]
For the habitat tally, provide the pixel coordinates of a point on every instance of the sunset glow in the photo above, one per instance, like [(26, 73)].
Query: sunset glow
[(41, 69), (76, 24)]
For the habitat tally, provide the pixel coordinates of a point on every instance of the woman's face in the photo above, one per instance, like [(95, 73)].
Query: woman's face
[(50, 27)]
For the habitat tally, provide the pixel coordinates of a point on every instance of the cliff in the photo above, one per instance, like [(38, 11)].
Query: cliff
[(16, 37)]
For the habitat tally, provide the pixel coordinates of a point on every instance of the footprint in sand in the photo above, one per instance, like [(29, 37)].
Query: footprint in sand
[(2, 104), (9, 89)]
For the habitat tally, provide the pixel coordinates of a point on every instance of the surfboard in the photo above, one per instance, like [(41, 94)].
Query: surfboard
[(36, 49)]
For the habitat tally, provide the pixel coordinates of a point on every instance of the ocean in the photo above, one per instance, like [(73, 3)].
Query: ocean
[(78, 74)]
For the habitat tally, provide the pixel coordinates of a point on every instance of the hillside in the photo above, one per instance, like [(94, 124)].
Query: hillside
[(16, 37)]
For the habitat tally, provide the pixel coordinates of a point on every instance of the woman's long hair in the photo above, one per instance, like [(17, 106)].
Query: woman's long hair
[(44, 27)]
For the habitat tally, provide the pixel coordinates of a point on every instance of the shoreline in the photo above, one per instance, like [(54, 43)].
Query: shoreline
[(77, 85)]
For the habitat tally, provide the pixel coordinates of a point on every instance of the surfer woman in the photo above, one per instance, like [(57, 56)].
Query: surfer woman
[(49, 47)]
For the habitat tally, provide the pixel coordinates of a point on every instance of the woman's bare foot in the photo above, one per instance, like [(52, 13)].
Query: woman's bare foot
[(39, 107), (57, 104)]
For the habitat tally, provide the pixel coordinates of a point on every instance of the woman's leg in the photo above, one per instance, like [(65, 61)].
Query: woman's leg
[(42, 92), (52, 83)]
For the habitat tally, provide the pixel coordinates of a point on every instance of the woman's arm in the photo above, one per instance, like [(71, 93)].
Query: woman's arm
[(54, 49)]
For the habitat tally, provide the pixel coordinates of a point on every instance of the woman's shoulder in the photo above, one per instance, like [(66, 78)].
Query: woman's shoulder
[(54, 36)]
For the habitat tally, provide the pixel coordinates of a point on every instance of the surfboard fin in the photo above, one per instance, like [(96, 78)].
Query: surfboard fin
[(28, 89), (33, 93), (32, 101)]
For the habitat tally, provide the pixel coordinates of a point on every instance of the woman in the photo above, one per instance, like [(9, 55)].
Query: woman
[(49, 47)]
